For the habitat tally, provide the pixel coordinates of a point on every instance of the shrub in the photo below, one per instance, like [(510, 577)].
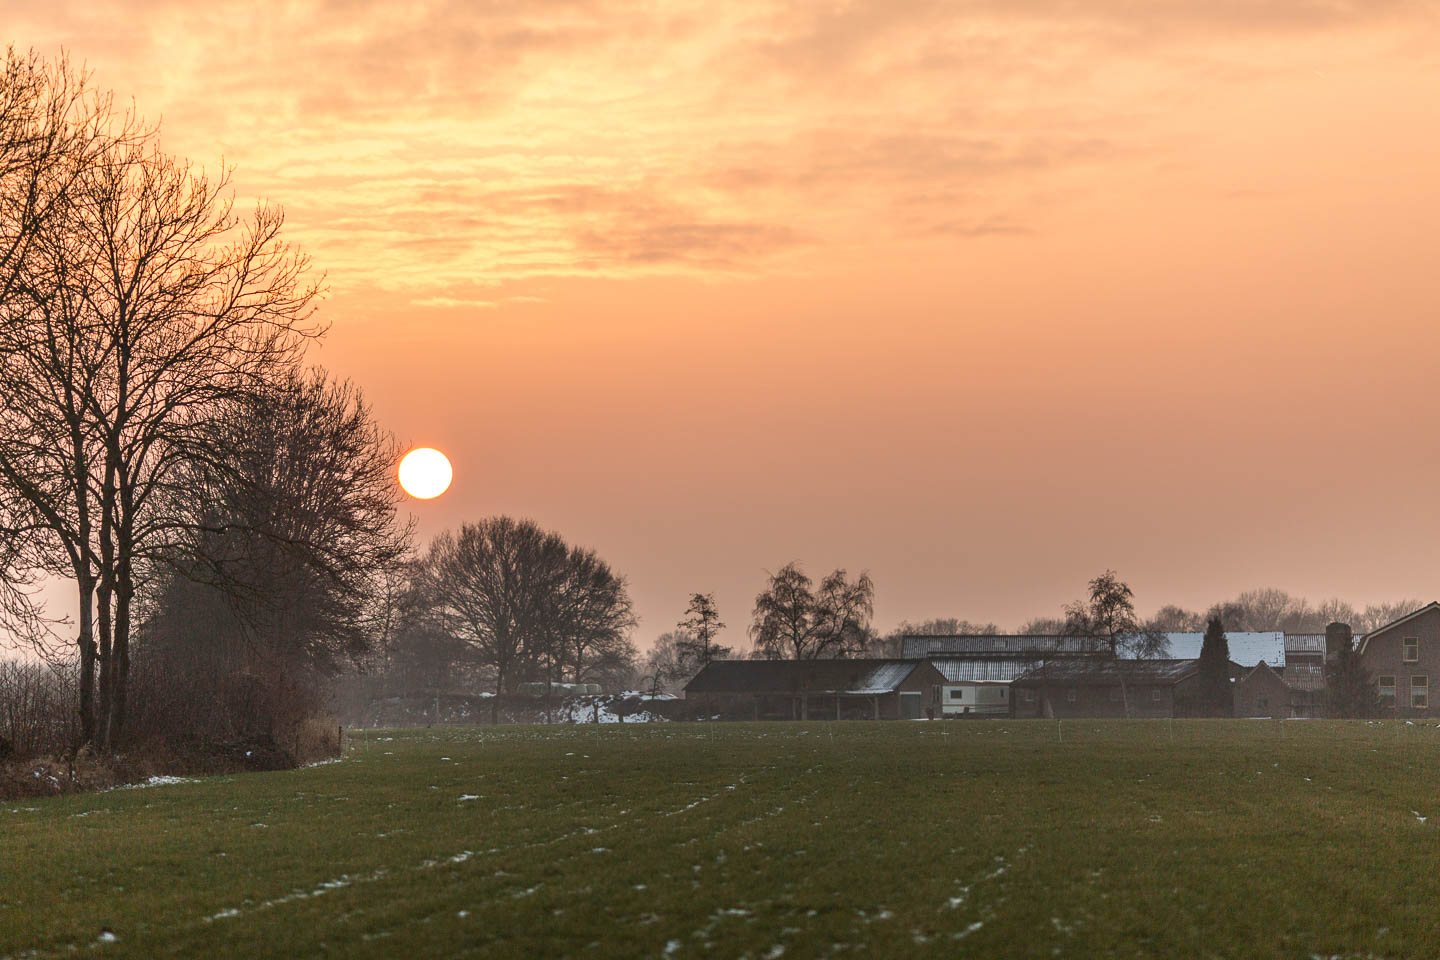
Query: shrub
[(37, 710)]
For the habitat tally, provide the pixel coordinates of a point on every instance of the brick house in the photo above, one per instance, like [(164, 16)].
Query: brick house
[(1262, 692), (1403, 658)]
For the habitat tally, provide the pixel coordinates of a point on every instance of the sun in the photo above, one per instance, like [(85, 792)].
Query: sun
[(425, 473)]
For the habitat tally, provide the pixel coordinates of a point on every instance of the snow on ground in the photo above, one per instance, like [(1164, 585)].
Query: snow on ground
[(154, 782)]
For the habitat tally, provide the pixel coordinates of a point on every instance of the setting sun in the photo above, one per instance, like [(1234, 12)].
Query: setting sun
[(425, 473)]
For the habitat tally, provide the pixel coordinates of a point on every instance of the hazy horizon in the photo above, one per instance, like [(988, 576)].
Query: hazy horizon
[(982, 298)]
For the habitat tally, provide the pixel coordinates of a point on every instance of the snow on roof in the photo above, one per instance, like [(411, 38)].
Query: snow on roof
[(1246, 648), (887, 676)]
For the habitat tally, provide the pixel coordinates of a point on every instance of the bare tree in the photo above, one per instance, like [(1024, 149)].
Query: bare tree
[(1107, 621), (1171, 618), (1042, 626), (52, 132), (665, 668), (487, 582), (1377, 615), (136, 303), (589, 618), (526, 603), (791, 620), (945, 627)]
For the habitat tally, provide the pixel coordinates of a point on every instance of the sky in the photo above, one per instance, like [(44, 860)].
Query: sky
[(982, 297)]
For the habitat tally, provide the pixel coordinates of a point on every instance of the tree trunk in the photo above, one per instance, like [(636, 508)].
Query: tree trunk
[(120, 652), (1124, 690), (495, 703), (104, 610), (86, 643)]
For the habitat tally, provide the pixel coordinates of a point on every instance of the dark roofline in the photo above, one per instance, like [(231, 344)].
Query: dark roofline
[(992, 636), (1106, 672), (788, 669)]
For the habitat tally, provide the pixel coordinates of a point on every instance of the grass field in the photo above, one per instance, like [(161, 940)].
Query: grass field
[(1201, 838)]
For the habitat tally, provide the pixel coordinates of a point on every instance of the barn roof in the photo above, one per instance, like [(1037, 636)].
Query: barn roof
[(1107, 672), (1305, 643), (867, 677), (982, 671)]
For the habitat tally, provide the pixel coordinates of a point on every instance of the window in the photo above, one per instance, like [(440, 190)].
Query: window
[(1070, 695), (1420, 692), (1003, 692), (1155, 695), (1387, 687), (957, 693), (1412, 649)]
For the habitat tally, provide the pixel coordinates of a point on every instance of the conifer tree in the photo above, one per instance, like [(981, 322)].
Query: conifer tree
[(1215, 670)]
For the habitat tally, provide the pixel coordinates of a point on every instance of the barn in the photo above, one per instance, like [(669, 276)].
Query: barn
[(1091, 688)]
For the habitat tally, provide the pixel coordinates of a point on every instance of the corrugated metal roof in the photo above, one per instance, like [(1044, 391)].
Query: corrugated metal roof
[(1105, 672), (1313, 643), (886, 676), (991, 644), (1304, 676), (982, 671)]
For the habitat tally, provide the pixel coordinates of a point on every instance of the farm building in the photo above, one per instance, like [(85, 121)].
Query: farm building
[(1402, 657), (1091, 688), (979, 668), (819, 689), (1262, 692)]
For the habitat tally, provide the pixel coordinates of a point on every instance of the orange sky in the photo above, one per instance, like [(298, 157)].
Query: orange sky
[(984, 297)]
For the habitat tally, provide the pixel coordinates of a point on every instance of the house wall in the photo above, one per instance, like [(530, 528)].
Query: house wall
[(1261, 694), (923, 680), (1384, 656)]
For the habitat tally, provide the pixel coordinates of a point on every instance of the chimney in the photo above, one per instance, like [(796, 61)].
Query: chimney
[(1337, 635)]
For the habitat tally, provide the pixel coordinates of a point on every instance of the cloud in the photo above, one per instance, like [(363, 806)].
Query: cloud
[(425, 145), (450, 303)]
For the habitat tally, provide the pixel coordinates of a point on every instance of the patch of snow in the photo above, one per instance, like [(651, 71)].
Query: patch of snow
[(156, 782)]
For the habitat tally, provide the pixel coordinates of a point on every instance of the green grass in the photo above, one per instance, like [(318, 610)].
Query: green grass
[(1201, 838)]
